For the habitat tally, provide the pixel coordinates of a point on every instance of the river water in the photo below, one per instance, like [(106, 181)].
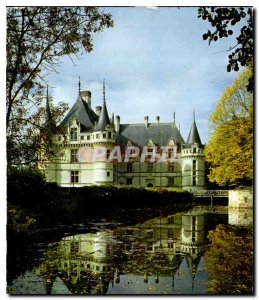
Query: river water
[(169, 254)]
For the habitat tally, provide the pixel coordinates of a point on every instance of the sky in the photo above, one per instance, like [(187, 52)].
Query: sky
[(154, 62)]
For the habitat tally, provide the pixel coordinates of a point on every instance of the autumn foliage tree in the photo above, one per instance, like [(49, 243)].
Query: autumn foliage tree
[(230, 150), (37, 38)]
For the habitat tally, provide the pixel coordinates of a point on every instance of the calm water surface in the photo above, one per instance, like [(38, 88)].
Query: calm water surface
[(164, 255)]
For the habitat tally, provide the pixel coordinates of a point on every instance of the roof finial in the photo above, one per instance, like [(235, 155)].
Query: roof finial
[(79, 85), (193, 111), (104, 100), (174, 115), (48, 112)]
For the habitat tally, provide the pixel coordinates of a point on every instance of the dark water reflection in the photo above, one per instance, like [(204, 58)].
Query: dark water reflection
[(164, 255)]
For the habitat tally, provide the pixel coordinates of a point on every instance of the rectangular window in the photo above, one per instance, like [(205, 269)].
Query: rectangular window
[(108, 152), (170, 181), (129, 167), (149, 246), (97, 136), (170, 220), (150, 167), (104, 135), (194, 173), (82, 137), (109, 134), (170, 233), (73, 157), (74, 248), (170, 167), (170, 245), (74, 176), (108, 174), (88, 137), (73, 134), (194, 165), (128, 181), (194, 150), (149, 234), (170, 153)]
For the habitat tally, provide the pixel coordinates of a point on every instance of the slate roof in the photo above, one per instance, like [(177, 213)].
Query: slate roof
[(139, 135), (104, 119), (83, 113), (194, 136), (49, 122)]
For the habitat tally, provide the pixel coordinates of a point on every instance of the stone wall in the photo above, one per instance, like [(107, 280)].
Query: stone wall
[(241, 198), (240, 208)]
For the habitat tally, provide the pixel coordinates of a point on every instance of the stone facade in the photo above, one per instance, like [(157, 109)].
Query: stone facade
[(85, 131)]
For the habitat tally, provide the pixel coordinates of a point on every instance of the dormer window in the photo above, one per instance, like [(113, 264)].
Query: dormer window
[(73, 134), (170, 153)]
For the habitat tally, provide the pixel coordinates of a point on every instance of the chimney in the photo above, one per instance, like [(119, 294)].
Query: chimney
[(117, 124), (112, 119), (98, 110), (157, 119), (146, 121), (86, 96)]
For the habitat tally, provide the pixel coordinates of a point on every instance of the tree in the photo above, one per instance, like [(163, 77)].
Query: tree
[(37, 37), (222, 19), (230, 150), (229, 261)]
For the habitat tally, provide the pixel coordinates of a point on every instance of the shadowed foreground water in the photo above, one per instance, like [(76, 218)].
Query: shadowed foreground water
[(164, 255)]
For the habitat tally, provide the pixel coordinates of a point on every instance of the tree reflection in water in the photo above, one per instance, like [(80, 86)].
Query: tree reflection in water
[(229, 260)]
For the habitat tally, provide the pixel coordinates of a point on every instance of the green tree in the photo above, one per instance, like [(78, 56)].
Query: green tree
[(229, 261), (230, 150), (37, 38), (222, 19)]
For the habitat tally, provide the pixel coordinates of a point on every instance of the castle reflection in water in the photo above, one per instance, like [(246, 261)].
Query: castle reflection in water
[(132, 259)]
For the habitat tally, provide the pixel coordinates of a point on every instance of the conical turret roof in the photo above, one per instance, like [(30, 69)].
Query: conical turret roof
[(49, 122), (104, 119), (194, 136)]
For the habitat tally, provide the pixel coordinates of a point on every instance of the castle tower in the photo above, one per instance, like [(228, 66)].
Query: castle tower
[(193, 164), (103, 137), (47, 133)]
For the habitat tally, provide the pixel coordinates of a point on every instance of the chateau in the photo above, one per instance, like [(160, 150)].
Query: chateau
[(164, 158)]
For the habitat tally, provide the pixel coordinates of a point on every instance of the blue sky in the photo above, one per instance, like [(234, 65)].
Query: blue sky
[(154, 61)]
